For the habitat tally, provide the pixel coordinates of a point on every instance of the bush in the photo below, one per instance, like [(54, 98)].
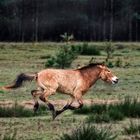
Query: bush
[(63, 58), (109, 50), (118, 63), (89, 133), (89, 50), (65, 55), (110, 64), (127, 64)]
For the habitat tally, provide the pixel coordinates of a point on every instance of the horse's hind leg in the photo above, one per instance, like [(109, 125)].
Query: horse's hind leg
[(44, 98), (35, 94)]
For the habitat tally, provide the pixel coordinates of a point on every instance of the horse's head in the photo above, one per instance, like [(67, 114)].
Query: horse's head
[(107, 76)]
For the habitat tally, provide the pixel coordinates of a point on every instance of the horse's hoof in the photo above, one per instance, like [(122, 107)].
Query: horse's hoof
[(71, 107), (36, 107), (54, 115)]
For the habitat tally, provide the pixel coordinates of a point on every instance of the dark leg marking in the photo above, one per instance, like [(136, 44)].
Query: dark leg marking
[(58, 112), (36, 106), (50, 106), (42, 98)]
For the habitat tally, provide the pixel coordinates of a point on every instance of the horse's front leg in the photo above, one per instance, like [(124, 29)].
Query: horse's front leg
[(65, 107), (44, 98), (78, 98), (35, 94)]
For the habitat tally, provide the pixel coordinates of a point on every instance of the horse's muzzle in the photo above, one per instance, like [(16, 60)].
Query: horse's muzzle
[(115, 80)]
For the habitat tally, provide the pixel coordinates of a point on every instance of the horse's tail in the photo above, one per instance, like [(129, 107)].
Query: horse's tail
[(20, 79)]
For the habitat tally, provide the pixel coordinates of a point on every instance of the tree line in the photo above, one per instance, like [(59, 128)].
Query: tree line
[(87, 20)]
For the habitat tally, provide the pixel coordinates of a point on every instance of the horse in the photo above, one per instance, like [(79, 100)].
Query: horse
[(73, 82)]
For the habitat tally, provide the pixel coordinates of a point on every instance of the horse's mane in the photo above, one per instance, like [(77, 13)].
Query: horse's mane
[(90, 65)]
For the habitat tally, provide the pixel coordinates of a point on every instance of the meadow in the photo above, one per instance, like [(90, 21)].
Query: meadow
[(31, 57)]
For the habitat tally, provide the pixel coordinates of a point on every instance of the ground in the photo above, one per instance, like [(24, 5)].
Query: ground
[(31, 57)]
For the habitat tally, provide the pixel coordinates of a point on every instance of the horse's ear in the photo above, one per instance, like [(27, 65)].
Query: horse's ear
[(102, 65)]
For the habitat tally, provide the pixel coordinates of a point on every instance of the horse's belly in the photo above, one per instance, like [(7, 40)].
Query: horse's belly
[(66, 90)]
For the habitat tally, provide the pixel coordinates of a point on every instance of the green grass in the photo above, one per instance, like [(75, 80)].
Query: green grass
[(113, 112), (87, 49), (20, 111), (27, 57), (89, 133), (132, 129), (31, 57), (9, 136), (98, 118)]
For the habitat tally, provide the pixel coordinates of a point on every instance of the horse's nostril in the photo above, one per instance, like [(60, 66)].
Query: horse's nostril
[(116, 81)]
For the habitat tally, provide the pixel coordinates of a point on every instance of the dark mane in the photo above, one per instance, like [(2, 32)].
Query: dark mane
[(90, 65)]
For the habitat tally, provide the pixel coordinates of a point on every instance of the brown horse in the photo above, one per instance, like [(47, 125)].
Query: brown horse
[(72, 82)]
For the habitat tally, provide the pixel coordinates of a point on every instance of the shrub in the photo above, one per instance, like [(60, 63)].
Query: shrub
[(63, 58), (120, 46), (76, 48), (65, 55), (127, 64), (110, 64), (133, 128), (118, 63), (66, 37), (89, 50), (109, 50), (89, 132)]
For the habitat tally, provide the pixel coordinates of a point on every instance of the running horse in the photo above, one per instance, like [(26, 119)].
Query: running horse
[(73, 82)]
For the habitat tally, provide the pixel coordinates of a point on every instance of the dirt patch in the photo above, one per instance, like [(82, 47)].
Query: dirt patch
[(30, 103)]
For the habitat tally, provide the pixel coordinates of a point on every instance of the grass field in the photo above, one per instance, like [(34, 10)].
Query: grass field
[(28, 57)]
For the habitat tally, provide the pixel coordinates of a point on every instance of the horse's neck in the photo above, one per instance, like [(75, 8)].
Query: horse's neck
[(91, 75)]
